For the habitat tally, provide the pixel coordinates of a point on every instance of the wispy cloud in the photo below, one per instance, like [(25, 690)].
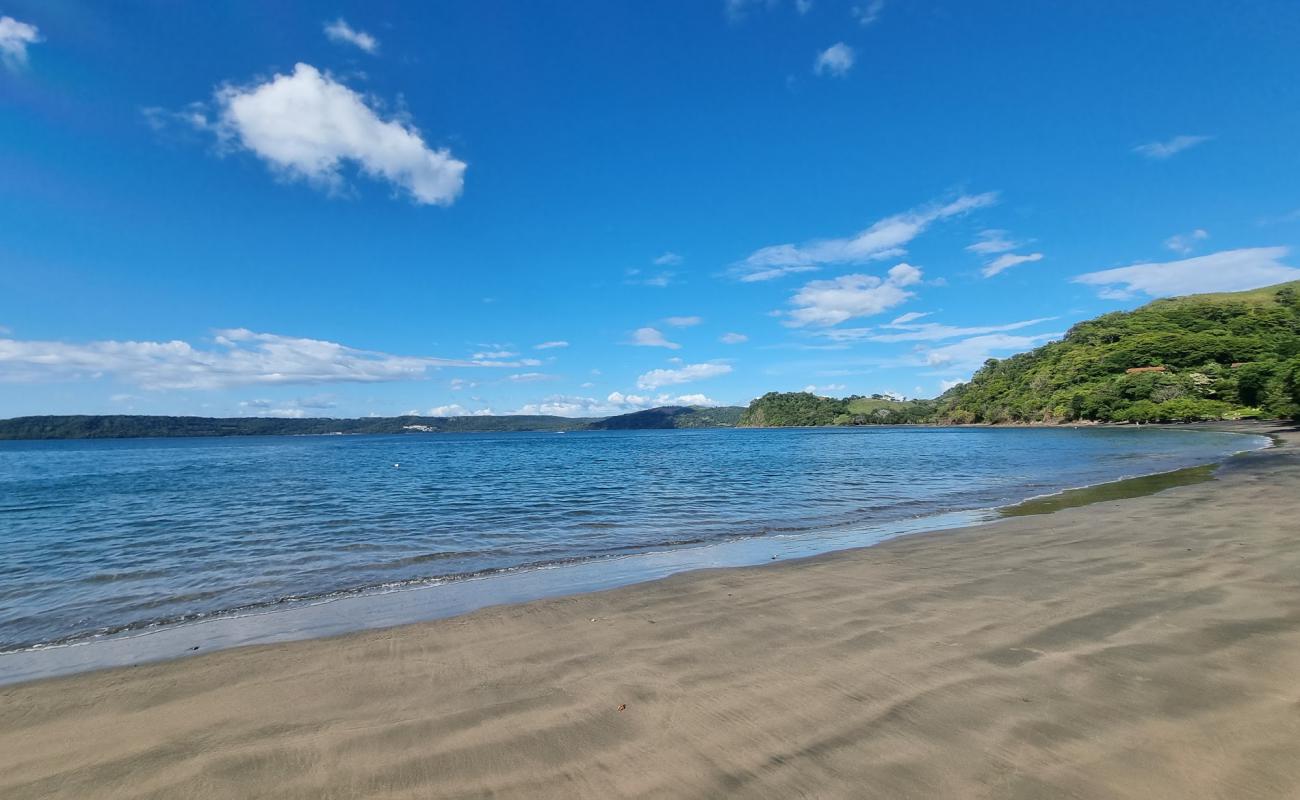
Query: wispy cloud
[(991, 242), (683, 322), (835, 60), (652, 337), (1225, 271), (1169, 148), (551, 345), (830, 302), (1185, 243), (883, 239), (561, 405), (238, 357), (340, 31), (867, 13), (15, 37), (733, 338), (531, 377), (307, 126), (969, 354), (657, 378), (933, 331), (1007, 261), (668, 259)]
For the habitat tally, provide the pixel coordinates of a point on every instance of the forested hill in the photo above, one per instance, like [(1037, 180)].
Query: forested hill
[(130, 426), (1209, 356)]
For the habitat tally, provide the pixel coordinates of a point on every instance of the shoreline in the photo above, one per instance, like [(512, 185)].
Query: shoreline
[(439, 598), (1137, 648)]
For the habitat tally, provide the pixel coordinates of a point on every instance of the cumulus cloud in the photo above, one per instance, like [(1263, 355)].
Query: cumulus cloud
[(652, 337), (835, 60), (657, 378), (340, 31), (457, 410), (1007, 261), (15, 37), (885, 238), (830, 302), (733, 338), (684, 322), (615, 403), (308, 125), (1167, 149), (240, 357), (1185, 243), (1225, 271), (551, 345)]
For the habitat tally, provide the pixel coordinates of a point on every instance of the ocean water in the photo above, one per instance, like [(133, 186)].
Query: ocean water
[(112, 536)]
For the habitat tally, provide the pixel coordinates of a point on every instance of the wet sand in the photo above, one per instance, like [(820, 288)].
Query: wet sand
[(1143, 648)]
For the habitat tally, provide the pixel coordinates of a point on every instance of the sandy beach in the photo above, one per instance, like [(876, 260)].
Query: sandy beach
[(1144, 648)]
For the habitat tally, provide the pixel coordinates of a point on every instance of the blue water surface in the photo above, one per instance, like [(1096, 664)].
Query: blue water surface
[(104, 536)]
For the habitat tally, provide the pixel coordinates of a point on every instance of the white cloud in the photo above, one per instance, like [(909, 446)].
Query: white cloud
[(652, 337), (494, 354), (911, 316), (1225, 271), (991, 242), (657, 378), (615, 403), (1007, 261), (551, 345), (970, 354), (683, 322), (803, 6), (340, 31), (835, 60), (933, 331), (457, 384), (457, 410), (824, 390), (659, 280), (15, 36), (1185, 243), (668, 259), (306, 125), (531, 377), (883, 239), (1167, 149), (733, 338), (830, 302), (867, 13), (945, 385), (240, 358)]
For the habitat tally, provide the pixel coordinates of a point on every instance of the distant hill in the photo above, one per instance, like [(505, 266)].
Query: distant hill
[(1208, 356), (132, 426), (673, 417)]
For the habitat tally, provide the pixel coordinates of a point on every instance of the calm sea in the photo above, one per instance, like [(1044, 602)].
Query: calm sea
[(99, 537)]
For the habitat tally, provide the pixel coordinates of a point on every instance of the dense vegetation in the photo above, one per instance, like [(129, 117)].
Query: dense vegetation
[(123, 426), (1214, 356), (1211, 356), (782, 409), (673, 417)]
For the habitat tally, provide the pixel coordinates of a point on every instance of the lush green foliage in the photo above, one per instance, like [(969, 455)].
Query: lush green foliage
[(1225, 356), (785, 409)]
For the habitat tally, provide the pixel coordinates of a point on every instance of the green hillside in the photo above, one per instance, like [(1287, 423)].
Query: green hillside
[(786, 409), (672, 417), (1210, 356)]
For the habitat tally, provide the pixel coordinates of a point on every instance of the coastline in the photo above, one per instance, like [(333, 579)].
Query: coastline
[(440, 597), (1136, 648)]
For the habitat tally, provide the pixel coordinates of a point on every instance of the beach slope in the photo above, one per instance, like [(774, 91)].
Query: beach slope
[(1145, 648)]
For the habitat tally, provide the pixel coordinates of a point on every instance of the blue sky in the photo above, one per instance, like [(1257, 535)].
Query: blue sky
[(453, 207)]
